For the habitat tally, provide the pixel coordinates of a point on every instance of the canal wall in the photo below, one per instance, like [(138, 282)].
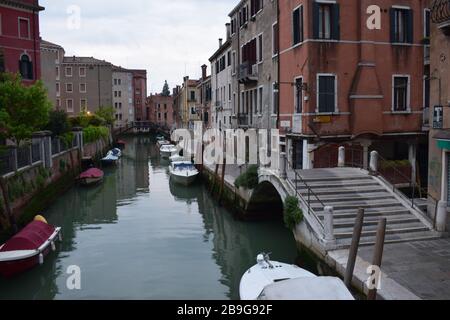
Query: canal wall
[(29, 190)]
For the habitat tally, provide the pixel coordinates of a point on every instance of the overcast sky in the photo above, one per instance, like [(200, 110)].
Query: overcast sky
[(168, 38)]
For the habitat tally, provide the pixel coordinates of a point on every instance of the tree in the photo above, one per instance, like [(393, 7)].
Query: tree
[(58, 122), (166, 90), (108, 114), (23, 109)]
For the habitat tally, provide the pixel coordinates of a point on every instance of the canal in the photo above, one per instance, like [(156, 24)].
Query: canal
[(137, 236)]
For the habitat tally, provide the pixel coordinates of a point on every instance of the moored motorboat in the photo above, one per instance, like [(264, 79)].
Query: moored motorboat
[(110, 159), (91, 177), (168, 150), (178, 158), (269, 280), (28, 248), (183, 172), (116, 152), (162, 143)]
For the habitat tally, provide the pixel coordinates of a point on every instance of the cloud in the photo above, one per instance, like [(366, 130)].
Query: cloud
[(170, 39)]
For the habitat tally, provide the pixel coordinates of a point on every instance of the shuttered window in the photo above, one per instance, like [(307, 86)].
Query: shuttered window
[(298, 95), (26, 67), (275, 39), (401, 25), (401, 93), (24, 28), (297, 25), (326, 21), (327, 94)]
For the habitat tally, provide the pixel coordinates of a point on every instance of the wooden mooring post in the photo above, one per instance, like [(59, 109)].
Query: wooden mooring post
[(378, 255), (353, 253)]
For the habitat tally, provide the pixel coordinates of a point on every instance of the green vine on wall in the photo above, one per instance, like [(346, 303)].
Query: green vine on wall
[(293, 215)]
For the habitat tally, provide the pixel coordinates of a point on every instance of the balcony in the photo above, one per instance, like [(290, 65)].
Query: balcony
[(440, 14), (243, 120), (248, 72)]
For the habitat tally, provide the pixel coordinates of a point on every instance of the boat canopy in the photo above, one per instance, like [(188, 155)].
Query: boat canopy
[(30, 238), (183, 166), (92, 173)]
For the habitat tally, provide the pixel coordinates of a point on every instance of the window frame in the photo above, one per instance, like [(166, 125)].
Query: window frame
[(260, 48), (71, 72), (277, 90), (19, 28), (296, 97), (336, 104), (408, 93), (79, 72), (301, 30), (67, 106), (67, 84), (85, 87), (275, 40)]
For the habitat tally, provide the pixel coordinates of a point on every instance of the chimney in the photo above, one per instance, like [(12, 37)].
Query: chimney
[(186, 78), (228, 27), (220, 42), (204, 67)]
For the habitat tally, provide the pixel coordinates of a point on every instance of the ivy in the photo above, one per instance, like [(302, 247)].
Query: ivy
[(249, 179), (293, 215), (92, 133)]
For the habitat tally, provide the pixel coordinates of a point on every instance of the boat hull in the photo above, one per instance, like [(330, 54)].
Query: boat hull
[(108, 163), (90, 181), (183, 180), (10, 269)]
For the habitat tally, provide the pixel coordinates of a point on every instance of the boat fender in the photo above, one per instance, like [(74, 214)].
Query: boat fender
[(41, 259), (53, 246), (40, 218)]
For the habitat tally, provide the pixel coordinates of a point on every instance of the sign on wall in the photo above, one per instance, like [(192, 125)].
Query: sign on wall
[(438, 117)]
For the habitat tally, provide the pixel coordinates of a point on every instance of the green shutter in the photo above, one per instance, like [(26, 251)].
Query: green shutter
[(336, 27)]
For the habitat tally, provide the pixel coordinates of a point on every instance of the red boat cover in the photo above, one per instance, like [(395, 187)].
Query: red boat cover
[(30, 238), (92, 173)]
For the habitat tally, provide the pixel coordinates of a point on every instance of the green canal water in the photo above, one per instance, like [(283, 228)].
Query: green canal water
[(137, 236)]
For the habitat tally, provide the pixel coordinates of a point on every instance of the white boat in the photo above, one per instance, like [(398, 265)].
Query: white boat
[(183, 172), (168, 150), (265, 273), (110, 159), (307, 288), (178, 158), (162, 143), (116, 152)]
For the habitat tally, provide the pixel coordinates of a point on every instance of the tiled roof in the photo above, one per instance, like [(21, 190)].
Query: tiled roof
[(84, 60)]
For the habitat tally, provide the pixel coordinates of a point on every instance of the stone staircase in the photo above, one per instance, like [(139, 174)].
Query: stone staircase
[(347, 190)]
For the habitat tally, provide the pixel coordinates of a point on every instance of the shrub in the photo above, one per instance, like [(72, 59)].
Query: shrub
[(249, 179), (92, 133), (293, 215)]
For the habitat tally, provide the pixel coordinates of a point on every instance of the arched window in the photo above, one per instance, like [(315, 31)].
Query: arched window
[(26, 67)]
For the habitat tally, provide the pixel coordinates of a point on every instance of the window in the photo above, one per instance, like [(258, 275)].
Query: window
[(69, 105), (298, 89), (228, 58), (260, 48), (249, 52), (327, 94), (83, 104), (400, 93), (233, 67), (401, 25), (57, 73), (58, 89), (68, 71), (26, 67), (82, 72), (2, 61), (275, 45), (24, 28), (82, 87), (297, 25), (260, 99), (427, 25), (58, 103), (192, 95), (115, 82), (274, 98), (326, 21), (69, 87), (255, 6), (233, 26)]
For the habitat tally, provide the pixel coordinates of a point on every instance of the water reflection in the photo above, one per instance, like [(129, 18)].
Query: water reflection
[(138, 236)]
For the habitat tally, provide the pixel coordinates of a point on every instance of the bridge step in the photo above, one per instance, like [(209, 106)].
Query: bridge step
[(333, 198), (334, 179), (355, 205), (343, 190), (369, 231), (350, 223), (339, 184), (389, 212)]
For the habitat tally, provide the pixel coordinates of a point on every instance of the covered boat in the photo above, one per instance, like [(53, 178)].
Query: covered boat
[(110, 159), (28, 248), (161, 143), (116, 152), (168, 150), (91, 177), (183, 172)]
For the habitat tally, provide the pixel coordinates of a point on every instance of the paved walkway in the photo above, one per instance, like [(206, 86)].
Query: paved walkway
[(423, 267)]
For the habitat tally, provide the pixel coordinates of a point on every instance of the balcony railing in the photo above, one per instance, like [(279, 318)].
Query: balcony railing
[(248, 73), (440, 11), (243, 119)]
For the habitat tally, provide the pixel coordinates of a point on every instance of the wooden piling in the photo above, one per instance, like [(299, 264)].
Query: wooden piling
[(354, 248), (378, 253)]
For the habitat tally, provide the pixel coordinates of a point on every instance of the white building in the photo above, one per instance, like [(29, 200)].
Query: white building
[(122, 95), (221, 88)]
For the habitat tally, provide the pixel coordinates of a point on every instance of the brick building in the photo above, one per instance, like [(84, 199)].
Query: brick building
[(140, 95), (161, 110), (343, 83), (19, 38)]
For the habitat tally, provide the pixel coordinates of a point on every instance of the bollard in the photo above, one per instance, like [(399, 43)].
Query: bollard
[(341, 157), (353, 252), (328, 224), (374, 162), (441, 216)]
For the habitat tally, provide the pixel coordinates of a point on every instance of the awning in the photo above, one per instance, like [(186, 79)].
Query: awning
[(443, 139)]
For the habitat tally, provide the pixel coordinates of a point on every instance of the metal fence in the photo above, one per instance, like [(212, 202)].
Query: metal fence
[(7, 160), (23, 156), (55, 145), (35, 152)]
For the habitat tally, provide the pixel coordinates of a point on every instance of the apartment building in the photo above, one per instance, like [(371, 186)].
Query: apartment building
[(203, 106), (187, 98), (19, 38), (254, 64), (221, 85), (52, 56), (122, 96), (177, 106), (439, 161), (353, 78), (140, 94), (161, 110)]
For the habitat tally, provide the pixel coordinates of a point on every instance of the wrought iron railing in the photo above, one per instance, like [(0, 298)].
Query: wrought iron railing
[(7, 160), (440, 11), (35, 152), (23, 156), (309, 195)]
